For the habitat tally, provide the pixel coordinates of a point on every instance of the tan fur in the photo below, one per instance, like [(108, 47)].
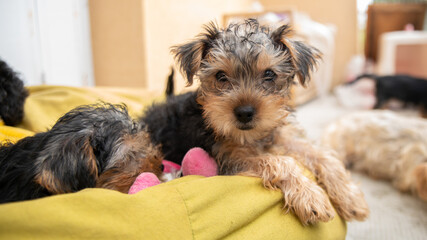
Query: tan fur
[(301, 195), (385, 145), (278, 159), (270, 145), (93, 168), (219, 114), (140, 156), (47, 180), (420, 173)]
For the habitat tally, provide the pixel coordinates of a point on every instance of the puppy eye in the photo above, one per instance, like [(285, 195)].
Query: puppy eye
[(269, 75), (220, 76)]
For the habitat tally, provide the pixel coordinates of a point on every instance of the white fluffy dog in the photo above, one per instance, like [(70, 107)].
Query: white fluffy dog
[(385, 145)]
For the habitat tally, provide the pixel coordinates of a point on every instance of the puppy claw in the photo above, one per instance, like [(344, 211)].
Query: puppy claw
[(351, 205), (314, 209), (360, 214)]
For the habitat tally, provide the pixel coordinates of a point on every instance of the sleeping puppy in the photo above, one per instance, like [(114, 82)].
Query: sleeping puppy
[(384, 145), (90, 146)]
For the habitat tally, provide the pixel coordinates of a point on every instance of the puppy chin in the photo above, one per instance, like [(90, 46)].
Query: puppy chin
[(245, 127)]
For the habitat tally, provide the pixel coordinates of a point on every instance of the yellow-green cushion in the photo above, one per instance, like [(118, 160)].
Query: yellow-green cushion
[(12, 134), (192, 207)]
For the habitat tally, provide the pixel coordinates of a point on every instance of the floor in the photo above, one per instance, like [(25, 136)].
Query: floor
[(394, 215)]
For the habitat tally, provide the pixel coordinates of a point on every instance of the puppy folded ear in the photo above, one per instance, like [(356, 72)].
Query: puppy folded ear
[(303, 57), (189, 56), (67, 163)]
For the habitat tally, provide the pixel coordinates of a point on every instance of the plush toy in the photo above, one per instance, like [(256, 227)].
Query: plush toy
[(196, 162), (143, 181)]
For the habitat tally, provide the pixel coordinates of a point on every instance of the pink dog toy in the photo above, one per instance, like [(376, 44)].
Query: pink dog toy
[(143, 181), (196, 162)]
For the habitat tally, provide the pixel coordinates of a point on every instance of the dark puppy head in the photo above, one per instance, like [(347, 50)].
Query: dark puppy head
[(12, 95), (245, 71), (96, 145)]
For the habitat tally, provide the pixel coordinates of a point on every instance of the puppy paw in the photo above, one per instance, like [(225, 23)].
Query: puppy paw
[(352, 206), (312, 205)]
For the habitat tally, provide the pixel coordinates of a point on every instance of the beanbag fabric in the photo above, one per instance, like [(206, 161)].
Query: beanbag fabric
[(12, 134), (192, 207)]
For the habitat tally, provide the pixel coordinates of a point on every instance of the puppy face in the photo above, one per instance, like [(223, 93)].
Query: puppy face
[(95, 146), (245, 71)]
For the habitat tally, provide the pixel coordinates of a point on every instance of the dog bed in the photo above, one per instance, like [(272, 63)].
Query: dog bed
[(191, 207)]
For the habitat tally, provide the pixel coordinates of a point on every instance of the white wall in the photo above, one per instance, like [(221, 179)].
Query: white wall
[(19, 44), (47, 41)]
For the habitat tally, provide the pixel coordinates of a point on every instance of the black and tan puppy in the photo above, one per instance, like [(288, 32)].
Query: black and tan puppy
[(90, 146), (241, 115)]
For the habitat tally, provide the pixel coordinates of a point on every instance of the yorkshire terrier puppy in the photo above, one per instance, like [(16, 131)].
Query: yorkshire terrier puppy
[(241, 115), (385, 145), (90, 146), (12, 95)]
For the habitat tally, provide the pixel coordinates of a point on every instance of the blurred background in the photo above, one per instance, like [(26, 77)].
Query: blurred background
[(126, 44)]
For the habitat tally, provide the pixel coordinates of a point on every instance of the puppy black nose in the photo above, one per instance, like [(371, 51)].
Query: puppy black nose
[(245, 113)]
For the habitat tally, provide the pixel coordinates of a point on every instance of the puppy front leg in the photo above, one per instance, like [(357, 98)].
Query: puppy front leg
[(330, 172), (301, 195)]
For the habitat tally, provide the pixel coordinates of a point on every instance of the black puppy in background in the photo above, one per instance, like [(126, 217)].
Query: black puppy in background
[(12, 95), (407, 89)]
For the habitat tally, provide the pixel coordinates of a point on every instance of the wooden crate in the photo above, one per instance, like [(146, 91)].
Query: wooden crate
[(389, 17)]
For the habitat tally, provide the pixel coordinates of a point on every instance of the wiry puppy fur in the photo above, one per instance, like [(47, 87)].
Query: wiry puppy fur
[(240, 115), (90, 146), (12, 95), (385, 145)]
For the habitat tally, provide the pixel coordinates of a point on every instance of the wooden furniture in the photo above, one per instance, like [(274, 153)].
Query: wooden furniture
[(388, 17), (412, 59), (118, 43), (403, 52)]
